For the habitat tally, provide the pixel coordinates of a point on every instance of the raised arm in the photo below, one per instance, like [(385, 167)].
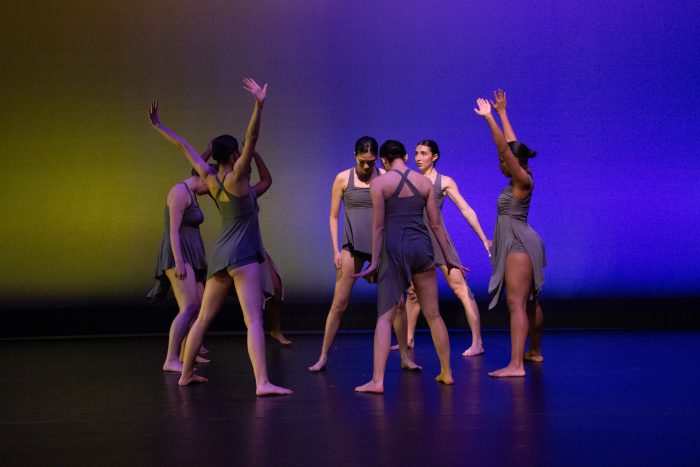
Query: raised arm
[(339, 185), (520, 175), (192, 156), (242, 164), (265, 178), (499, 105), (435, 224), (469, 214)]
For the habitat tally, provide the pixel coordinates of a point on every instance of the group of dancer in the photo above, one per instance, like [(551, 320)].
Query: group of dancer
[(392, 221)]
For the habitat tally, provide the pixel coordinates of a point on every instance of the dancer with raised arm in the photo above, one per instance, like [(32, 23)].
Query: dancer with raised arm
[(181, 262), (427, 155), (272, 280), (237, 255), (351, 186), (400, 235), (518, 252)]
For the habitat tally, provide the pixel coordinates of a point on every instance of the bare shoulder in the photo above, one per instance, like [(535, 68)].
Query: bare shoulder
[(342, 177), (178, 196)]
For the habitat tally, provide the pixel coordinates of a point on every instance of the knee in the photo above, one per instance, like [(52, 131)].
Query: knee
[(338, 307), (190, 311), (515, 305)]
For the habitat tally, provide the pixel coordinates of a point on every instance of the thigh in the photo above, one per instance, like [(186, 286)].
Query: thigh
[(425, 284), (248, 282), (215, 290), (344, 279), (518, 276), (185, 290)]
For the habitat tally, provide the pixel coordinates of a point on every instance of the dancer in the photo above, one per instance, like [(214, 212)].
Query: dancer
[(426, 155), (518, 252), (237, 255), (352, 187), (272, 281), (181, 262), (399, 199)]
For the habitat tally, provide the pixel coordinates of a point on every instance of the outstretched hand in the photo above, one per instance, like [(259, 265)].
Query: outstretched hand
[(153, 113), (483, 107), (255, 89), (488, 244), (369, 274), (450, 266), (499, 105)]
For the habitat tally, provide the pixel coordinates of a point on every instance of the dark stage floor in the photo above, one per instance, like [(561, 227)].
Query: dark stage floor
[(600, 398)]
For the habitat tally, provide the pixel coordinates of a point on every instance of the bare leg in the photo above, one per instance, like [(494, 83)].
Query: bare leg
[(248, 282), (274, 305), (343, 285), (535, 320), (412, 312), (459, 285), (425, 284), (518, 280), (188, 303), (399, 323), (214, 293), (382, 344)]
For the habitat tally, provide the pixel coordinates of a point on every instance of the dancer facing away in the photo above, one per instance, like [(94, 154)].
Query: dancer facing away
[(181, 262), (352, 187), (399, 199), (518, 252), (272, 281), (237, 255), (427, 154)]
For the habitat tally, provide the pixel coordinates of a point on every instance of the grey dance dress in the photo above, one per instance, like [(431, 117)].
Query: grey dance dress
[(239, 239), (440, 200), (191, 245), (513, 233), (357, 230), (407, 246)]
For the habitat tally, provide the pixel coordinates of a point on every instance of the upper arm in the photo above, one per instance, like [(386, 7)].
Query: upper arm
[(452, 191), (339, 185), (262, 186), (178, 200), (431, 208), (376, 192)]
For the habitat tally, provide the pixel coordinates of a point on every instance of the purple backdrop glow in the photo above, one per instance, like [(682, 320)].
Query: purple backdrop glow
[(605, 91)]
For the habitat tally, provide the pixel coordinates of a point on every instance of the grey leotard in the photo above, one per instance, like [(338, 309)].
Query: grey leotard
[(440, 200), (239, 241), (407, 246), (513, 233), (191, 245), (268, 265), (357, 204)]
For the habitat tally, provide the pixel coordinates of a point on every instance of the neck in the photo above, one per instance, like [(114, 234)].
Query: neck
[(429, 172), (364, 177), (398, 164)]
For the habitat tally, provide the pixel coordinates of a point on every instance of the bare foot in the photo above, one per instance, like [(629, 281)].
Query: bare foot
[(201, 360), (173, 365), (371, 387), (410, 345), (203, 350), (269, 389), (533, 356), (410, 365), (185, 380), (445, 378), (473, 351), (279, 337), (510, 371), (320, 365)]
